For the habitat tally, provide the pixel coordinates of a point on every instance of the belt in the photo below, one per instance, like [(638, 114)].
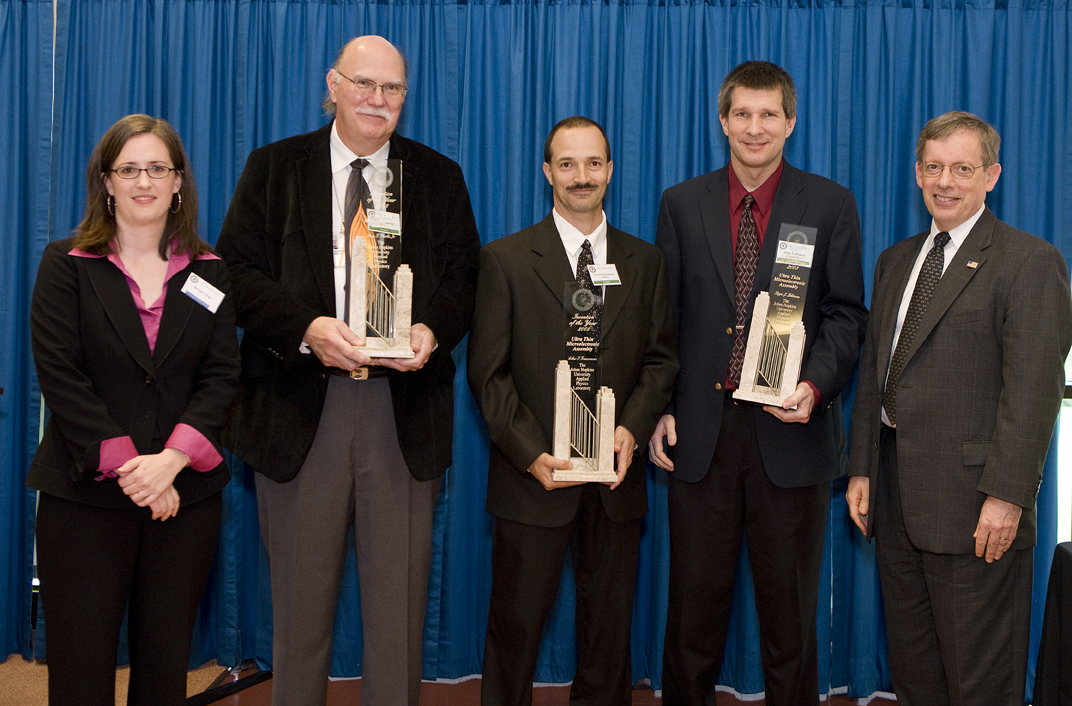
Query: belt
[(364, 372)]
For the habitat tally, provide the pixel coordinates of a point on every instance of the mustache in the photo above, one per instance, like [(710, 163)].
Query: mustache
[(376, 112), (575, 187)]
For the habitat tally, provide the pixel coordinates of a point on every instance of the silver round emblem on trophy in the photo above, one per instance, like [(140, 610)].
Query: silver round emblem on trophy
[(382, 177), (797, 237), (583, 299)]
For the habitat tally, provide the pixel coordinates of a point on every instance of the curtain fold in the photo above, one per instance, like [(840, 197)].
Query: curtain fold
[(25, 106), (487, 81)]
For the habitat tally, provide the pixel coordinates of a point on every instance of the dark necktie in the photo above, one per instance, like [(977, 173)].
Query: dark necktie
[(928, 277), (358, 203), (744, 269), (584, 278)]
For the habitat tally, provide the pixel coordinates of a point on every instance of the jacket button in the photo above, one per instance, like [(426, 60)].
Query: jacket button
[(149, 380), (729, 330), (718, 386)]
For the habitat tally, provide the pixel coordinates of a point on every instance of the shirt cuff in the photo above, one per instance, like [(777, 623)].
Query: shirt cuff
[(114, 453), (202, 454), (815, 391)]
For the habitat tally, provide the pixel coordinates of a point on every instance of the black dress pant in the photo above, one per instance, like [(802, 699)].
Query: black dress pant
[(784, 530), (91, 561), (526, 571)]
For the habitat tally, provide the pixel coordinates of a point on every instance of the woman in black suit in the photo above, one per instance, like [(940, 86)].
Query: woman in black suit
[(134, 340)]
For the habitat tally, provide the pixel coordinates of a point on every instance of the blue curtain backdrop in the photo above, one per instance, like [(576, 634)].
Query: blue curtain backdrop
[(25, 105), (487, 82)]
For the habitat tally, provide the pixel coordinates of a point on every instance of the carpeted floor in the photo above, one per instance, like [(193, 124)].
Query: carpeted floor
[(25, 683)]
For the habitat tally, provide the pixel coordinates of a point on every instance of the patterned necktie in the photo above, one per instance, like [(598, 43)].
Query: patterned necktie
[(928, 277), (358, 202), (584, 278), (744, 276)]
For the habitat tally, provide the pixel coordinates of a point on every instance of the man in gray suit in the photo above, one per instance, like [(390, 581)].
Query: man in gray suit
[(961, 379)]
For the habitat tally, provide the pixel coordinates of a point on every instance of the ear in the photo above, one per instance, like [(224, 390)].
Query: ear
[(178, 182), (547, 173), (333, 83), (106, 178), (992, 175), (789, 125)]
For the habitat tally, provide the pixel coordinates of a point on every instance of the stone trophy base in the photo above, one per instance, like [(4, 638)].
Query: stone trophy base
[(599, 439), (761, 352)]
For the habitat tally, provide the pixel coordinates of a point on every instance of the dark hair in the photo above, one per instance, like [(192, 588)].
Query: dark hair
[(758, 75), (97, 228), (957, 121), (329, 105), (569, 123)]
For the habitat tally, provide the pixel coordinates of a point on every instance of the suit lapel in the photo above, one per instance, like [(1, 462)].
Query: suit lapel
[(176, 314), (956, 276), (620, 253), (716, 227), (897, 281), (552, 265), (788, 207), (314, 195), (110, 286)]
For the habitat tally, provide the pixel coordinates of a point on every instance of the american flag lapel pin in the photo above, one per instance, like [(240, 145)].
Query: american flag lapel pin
[(973, 264)]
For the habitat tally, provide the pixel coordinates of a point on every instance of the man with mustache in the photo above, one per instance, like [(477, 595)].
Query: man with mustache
[(738, 468), (517, 338), (340, 440)]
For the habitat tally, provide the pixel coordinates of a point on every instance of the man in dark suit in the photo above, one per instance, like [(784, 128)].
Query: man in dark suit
[(738, 468), (516, 341), (961, 380), (337, 439)]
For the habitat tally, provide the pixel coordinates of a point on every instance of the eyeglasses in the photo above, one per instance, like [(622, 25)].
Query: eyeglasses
[(366, 86), (959, 171), (157, 171)]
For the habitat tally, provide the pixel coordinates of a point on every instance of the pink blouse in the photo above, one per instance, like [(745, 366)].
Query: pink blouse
[(117, 451)]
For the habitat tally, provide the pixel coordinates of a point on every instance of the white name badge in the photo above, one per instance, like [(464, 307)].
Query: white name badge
[(795, 253), (385, 222), (202, 292), (604, 274)]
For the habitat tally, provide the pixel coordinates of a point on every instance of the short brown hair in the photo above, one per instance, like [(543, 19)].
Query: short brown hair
[(758, 75), (97, 228), (958, 121), (570, 123)]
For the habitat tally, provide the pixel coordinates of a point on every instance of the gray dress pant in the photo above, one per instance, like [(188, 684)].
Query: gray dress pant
[(354, 475)]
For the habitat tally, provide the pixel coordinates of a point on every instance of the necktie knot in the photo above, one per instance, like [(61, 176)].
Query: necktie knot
[(359, 164), (748, 200), (941, 239)]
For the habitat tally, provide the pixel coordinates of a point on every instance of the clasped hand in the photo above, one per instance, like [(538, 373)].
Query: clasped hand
[(545, 465), (338, 347), (147, 481)]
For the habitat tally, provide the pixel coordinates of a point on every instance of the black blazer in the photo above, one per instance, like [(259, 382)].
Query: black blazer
[(100, 381), (517, 340), (276, 240), (694, 235), (979, 395)]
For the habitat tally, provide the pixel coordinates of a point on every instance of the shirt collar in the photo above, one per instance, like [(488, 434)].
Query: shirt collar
[(764, 194), (573, 239), (342, 157), (958, 234)]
